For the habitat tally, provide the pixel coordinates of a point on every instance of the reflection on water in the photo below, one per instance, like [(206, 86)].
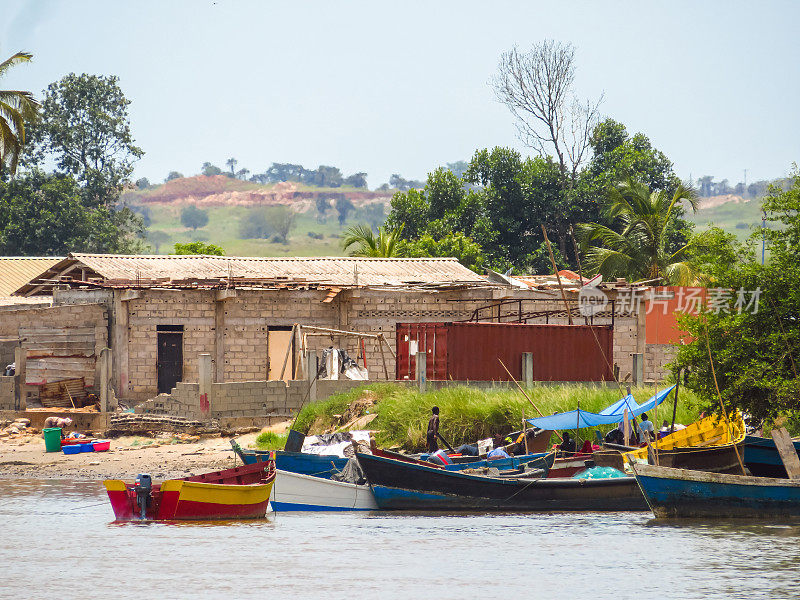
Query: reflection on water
[(58, 538)]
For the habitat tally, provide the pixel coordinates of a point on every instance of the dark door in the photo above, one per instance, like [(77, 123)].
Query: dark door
[(170, 360)]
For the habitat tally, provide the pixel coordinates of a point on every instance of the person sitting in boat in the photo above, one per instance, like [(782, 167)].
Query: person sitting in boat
[(433, 430), (615, 436), (646, 430), (567, 443), (499, 452)]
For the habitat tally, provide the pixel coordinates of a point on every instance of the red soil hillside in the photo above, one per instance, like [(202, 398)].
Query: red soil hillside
[(219, 190)]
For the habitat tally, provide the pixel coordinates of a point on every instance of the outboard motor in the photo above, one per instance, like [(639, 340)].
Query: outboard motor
[(143, 487)]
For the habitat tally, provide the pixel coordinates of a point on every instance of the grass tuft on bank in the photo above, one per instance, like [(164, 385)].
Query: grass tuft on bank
[(269, 440), (468, 414)]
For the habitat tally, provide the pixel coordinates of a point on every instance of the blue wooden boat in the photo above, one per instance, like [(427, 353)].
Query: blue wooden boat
[(316, 465), (321, 465), (399, 485), (762, 459), (683, 493)]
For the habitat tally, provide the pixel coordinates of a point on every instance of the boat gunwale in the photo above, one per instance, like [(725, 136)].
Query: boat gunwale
[(511, 481), (659, 472)]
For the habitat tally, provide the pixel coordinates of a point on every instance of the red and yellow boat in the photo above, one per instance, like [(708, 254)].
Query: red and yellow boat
[(238, 493)]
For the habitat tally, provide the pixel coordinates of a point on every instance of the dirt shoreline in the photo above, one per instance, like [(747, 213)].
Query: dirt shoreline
[(25, 458)]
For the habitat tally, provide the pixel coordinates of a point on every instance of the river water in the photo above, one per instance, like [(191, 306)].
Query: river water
[(58, 540)]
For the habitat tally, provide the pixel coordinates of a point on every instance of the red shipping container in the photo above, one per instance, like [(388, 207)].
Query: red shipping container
[(470, 351)]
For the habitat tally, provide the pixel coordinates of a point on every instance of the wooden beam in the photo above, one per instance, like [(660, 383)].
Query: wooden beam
[(785, 446)]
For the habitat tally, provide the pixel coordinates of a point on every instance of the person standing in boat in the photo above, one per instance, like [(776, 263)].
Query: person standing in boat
[(433, 430)]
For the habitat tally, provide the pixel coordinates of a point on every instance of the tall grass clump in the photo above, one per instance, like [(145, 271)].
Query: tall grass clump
[(269, 440), (468, 414)]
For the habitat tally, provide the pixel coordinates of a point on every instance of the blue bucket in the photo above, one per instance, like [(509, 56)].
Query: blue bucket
[(71, 449)]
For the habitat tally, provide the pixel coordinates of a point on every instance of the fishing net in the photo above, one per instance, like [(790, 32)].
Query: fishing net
[(599, 473)]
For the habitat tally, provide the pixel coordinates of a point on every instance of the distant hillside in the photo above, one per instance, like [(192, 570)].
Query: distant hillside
[(732, 213), (230, 202), (220, 190)]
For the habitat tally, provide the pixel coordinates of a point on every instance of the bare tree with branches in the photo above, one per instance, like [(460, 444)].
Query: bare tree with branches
[(536, 86)]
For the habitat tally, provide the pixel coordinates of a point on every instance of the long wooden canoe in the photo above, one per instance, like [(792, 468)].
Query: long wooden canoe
[(401, 485), (295, 492), (711, 445), (687, 493), (762, 459)]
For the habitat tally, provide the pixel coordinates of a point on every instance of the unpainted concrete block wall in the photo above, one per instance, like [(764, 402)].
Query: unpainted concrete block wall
[(192, 309), (6, 393), (242, 398), (656, 357)]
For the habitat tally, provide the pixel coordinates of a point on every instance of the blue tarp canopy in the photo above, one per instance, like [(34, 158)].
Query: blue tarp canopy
[(578, 419)]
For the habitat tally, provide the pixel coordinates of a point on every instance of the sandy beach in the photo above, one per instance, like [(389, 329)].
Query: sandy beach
[(163, 458)]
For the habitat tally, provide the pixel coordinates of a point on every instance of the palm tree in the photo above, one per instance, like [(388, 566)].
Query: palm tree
[(16, 107), (639, 250), (387, 244)]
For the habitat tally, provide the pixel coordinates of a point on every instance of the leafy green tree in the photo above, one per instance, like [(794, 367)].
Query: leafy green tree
[(85, 129), (360, 240), (411, 210), (16, 107), (283, 221), (455, 245), (343, 206), (158, 238), (173, 175), (262, 223), (619, 156), (210, 170), (199, 248), (192, 216), (755, 347), (143, 183), (637, 248), (357, 180), (44, 215), (323, 205), (256, 224)]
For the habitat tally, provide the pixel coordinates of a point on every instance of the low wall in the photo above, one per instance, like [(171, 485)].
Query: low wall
[(242, 399), (81, 422)]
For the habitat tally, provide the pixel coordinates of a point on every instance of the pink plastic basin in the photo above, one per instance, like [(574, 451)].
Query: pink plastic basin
[(102, 445)]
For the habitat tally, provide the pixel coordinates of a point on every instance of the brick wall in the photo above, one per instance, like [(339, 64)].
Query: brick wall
[(656, 357)]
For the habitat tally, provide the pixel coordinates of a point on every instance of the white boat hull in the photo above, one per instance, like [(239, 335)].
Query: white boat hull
[(296, 492)]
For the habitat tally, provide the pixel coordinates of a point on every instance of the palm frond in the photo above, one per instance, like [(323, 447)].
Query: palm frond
[(680, 273), (16, 59)]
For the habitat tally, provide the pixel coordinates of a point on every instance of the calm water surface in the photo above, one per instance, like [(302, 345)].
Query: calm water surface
[(57, 540)]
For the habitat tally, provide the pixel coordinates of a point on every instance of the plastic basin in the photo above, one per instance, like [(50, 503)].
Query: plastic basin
[(102, 445), (86, 447), (72, 449), (52, 439)]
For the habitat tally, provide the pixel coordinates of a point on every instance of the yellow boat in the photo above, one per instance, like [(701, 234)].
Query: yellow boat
[(710, 444)]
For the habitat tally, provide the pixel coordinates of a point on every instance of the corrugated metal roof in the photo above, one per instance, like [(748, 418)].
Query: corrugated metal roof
[(344, 271), (16, 271)]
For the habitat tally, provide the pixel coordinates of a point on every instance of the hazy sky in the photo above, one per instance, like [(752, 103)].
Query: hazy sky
[(401, 87)]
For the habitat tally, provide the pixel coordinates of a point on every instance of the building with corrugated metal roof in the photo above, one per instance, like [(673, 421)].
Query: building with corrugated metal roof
[(158, 314)]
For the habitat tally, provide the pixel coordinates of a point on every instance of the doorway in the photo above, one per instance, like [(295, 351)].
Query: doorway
[(279, 340), (169, 363)]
